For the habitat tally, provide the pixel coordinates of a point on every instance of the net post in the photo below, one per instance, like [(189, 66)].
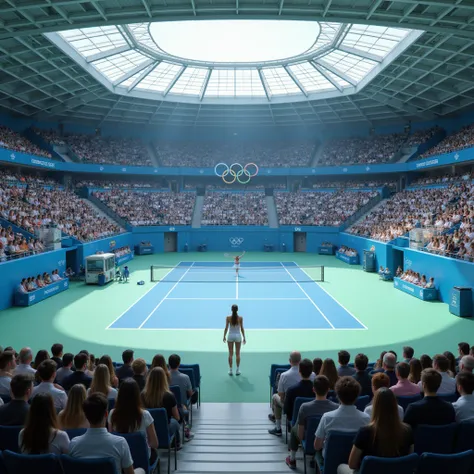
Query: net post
[(322, 272), (151, 273)]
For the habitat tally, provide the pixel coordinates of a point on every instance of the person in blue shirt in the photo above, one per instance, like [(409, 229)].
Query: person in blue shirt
[(126, 273)]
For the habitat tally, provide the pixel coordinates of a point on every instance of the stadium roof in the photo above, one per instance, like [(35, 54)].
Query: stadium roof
[(430, 78), (129, 59)]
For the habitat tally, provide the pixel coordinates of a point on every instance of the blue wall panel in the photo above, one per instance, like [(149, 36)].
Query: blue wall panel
[(15, 270), (383, 252), (103, 245)]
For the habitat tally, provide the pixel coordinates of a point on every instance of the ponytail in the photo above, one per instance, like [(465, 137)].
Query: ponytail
[(234, 319)]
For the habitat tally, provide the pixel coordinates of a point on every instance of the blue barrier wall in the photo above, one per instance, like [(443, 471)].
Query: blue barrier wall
[(102, 245), (15, 270), (383, 252)]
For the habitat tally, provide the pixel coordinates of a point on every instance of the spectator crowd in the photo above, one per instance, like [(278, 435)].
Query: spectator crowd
[(14, 141), (33, 283), (150, 208), (411, 276), (463, 138), (320, 208), (221, 208)]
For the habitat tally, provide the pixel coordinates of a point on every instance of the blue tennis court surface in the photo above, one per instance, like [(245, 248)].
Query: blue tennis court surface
[(270, 295)]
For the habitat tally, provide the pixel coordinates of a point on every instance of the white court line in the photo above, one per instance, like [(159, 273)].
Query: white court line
[(253, 330), (159, 304), (342, 306), (242, 299), (144, 294), (314, 304)]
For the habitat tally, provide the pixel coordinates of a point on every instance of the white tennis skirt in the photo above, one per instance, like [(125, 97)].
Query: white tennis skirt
[(236, 265)]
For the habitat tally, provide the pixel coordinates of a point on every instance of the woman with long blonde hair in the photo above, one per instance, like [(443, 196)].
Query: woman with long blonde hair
[(160, 361), (157, 394), (101, 382), (73, 417), (385, 436), (107, 360)]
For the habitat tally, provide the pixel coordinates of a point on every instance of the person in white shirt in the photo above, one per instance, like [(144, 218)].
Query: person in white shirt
[(97, 442), (287, 379), (448, 384), (464, 406), (25, 358), (47, 373)]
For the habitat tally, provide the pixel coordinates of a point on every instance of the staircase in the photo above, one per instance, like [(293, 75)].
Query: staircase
[(102, 213), (153, 155), (272, 212), (233, 438), (407, 153), (63, 152), (318, 151), (197, 212), (362, 216)]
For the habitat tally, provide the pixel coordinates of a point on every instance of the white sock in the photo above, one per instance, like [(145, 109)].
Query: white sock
[(292, 455), (278, 424)]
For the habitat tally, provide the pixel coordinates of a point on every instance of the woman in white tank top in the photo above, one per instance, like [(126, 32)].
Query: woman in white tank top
[(234, 325)]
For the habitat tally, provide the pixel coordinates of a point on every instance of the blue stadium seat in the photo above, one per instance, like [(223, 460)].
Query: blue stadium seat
[(175, 390), (337, 450), (37, 464), (451, 398), (308, 442), (435, 438), (88, 466), (464, 436), (9, 438), (405, 401), (3, 469), (459, 463), (273, 375), (139, 450), (75, 432), (362, 402), (402, 465), (165, 441), (190, 374), (6, 398), (197, 377)]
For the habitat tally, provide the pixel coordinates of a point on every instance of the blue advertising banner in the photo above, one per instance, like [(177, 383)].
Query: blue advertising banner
[(354, 260), (425, 294), (29, 299)]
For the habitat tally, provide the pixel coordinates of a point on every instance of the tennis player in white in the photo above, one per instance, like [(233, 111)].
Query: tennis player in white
[(234, 324), (237, 263)]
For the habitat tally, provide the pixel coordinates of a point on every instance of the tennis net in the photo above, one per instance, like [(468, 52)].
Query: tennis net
[(247, 274)]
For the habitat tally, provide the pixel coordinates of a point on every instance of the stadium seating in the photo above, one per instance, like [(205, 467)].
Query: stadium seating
[(39, 464), (14, 141), (403, 465)]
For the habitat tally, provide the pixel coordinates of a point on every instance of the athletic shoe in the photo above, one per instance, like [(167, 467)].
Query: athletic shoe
[(237, 372), (188, 435), (230, 372), (291, 464), (275, 432), (272, 418)]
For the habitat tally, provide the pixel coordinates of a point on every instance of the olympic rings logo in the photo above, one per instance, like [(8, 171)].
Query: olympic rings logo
[(236, 241), (236, 172)]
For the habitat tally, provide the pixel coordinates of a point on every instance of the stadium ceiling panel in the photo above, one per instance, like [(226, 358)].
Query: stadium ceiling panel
[(364, 66)]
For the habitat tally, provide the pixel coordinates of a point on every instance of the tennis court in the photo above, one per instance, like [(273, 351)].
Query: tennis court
[(275, 295)]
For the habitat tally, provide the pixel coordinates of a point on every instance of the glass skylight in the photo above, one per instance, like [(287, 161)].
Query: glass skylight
[(235, 61)]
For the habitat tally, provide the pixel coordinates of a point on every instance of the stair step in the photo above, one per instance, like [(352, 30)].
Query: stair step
[(230, 457), (241, 442), (233, 449), (248, 468)]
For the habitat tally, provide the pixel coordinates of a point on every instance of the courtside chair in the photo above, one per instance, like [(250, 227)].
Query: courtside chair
[(197, 377), (402, 465), (273, 375), (362, 402), (435, 438), (37, 464), (464, 436), (308, 442), (165, 441), (175, 390), (296, 408), (338, 447), (74, 433), (87, 466), (459, 463), (9, 438), (451, 398), (139, 450), (406, 400)]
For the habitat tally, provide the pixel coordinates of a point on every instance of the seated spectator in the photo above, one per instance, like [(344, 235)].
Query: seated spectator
[(345, 418), (431, 410), (466, 364), (47, 374), (317, 364), (157, 394), (160, 361), (452, 363), (101, 383), (379, 381), (12, 140), (404, 388), (14, 412), (106, 360), (463, 350), (408, 352), (129, 417), (415, 371), (55, 275), (344, 357), (431, 283), (97, 442), (287, 379), (426, 361), (41, 433), (329, 370), (361, 362), (73, 417), (389, 363), (24, 362), (448, 383), (22, 287), (125, 371), (7, 367), (385, 436), (317, 407), (57, 353), (459, 140), (139, 372), (69, 272), (79, 375), (39, 282), (464, 406), (303, 388), (66, 368)]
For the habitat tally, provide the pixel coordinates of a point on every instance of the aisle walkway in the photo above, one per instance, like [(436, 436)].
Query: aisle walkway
[(233, 438)]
